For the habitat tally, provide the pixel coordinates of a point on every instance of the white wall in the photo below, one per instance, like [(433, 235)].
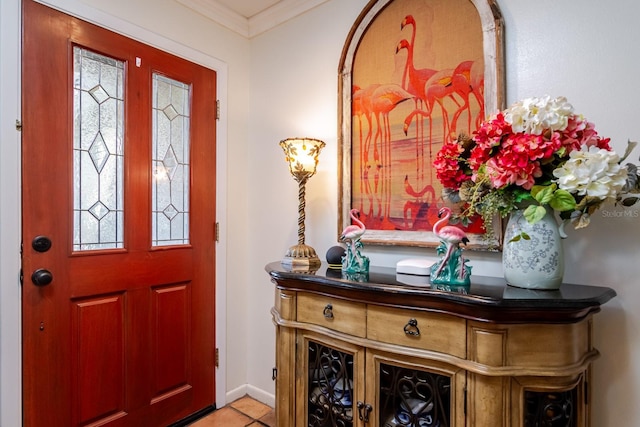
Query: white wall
[(586, 50)]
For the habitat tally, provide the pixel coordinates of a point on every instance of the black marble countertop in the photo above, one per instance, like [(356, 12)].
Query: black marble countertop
[(486, 299)]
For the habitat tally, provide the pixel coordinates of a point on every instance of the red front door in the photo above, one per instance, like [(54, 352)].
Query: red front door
[(118, 228)]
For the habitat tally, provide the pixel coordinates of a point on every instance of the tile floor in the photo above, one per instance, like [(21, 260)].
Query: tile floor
[(240, 413)]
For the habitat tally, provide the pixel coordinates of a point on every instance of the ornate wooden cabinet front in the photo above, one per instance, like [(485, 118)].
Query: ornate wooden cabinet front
[(385, 354)]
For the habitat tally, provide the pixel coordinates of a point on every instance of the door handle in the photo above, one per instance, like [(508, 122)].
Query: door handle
[(41, 277), (364, 415)]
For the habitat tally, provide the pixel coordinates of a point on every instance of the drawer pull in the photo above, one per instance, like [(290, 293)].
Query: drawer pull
[(328, 311), (411, 328)]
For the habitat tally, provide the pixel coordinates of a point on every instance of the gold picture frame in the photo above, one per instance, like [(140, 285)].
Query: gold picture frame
[(412, 74)]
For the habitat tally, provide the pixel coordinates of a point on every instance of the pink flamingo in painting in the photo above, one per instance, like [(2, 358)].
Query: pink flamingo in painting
[(408, 188), (450, 235), (438, 88), (360, 107), (352, 233), (414, 81), (416, 77), (385, 99), (476, 78), (420, 209), (467, 80)]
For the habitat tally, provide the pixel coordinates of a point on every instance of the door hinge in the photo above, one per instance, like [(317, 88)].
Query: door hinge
[(217, 109), (217, 231), (18, 125), (274, 374), (217, 357)]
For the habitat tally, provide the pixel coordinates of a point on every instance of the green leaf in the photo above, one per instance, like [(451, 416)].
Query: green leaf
[(561, 152), (521, 196), (543, 194), (536, 189), (534, 213), (520, 236), (562, 201), (515, 238)]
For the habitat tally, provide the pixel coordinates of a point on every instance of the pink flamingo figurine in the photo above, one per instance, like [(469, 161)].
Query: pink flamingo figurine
[(353, 232), (354, 261), (450, 235)]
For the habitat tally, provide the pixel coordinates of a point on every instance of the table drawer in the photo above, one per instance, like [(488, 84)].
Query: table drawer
[(412, 328), (333, 313)]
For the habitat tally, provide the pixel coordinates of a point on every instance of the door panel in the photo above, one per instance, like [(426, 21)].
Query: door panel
[(124, 333), (99, 342)]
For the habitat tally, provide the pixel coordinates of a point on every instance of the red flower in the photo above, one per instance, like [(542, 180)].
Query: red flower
[(448, 167)]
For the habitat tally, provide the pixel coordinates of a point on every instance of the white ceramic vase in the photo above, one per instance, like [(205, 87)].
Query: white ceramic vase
[(536, 262)]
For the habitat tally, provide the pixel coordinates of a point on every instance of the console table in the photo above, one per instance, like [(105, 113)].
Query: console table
[(386, 350)]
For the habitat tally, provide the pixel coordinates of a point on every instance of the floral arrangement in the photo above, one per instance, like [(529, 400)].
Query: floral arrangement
[(537, 151)]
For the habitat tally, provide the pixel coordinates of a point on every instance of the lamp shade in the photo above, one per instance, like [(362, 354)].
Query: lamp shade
[(302, 156)]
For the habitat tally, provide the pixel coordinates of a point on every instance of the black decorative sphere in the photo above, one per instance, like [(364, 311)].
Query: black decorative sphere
[(334, 256)]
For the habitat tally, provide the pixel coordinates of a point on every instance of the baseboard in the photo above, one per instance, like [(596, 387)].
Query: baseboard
[(236, 393), (256, 393), (262, 396)]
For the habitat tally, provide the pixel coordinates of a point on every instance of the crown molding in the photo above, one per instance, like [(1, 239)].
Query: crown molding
[(257, 24), (220, 14), (279, 13)]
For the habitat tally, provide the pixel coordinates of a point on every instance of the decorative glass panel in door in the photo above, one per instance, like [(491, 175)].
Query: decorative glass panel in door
[(170, 200), (330, 385), (98, 151), (413, 398)]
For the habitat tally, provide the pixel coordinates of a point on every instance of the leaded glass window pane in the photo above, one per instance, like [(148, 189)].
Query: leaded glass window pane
[(98, 151), (170, 159)]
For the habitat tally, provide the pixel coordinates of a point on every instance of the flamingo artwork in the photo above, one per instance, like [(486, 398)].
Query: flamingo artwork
[(354, 262), (452, 237)]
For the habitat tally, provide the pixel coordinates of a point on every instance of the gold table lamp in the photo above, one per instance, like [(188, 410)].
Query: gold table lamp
[(302, 156)]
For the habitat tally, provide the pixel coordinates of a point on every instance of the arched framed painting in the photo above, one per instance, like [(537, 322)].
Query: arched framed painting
[(413, 73)]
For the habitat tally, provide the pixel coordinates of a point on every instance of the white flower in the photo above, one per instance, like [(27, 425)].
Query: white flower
[(592, 172), (534, 115)]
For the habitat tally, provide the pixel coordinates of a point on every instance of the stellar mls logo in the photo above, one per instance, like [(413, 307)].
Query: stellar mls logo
[(626, 213)]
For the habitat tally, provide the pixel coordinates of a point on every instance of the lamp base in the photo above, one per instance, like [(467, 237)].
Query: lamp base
[(301, 256)]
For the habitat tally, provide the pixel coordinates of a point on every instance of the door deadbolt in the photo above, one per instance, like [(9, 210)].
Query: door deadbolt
[(41, 244)]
